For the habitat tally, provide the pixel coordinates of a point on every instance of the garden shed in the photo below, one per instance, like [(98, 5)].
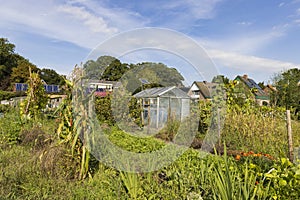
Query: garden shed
[(161, 103)]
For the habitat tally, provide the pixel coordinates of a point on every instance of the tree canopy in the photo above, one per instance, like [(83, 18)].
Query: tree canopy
[(20, 73), (95, 69), (51, 77), (8, 60), (288, 91), (112, 69)]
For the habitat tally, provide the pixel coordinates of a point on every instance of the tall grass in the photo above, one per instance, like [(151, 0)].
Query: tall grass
[(256, 131)]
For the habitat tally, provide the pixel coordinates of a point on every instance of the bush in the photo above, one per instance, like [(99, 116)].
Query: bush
[(10, 127), (6, 95)]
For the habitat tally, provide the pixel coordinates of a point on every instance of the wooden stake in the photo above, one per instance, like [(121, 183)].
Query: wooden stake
[(289, 132), (219, 126)]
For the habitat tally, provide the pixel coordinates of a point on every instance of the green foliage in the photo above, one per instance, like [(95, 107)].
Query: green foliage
[(233, 182), (51, 77), (288, 92), (103, 109), (157, 73), (8, 60), (15, 69), (10, 128), (115, 71), (239, 97), (23, 174), (75, 122), (134, 144), (169, 131), (205, 116), (263, 130), (6, 95), (95, 69), (135, 110), (112, 69), (68, 132), (132, 183), (41, 167), (21, 73)]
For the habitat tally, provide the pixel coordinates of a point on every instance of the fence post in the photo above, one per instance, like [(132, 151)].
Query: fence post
[(219, 126), (289, 132)]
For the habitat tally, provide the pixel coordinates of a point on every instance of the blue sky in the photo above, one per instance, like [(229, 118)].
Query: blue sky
[(254, 37)]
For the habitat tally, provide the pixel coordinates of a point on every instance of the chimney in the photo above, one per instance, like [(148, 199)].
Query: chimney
[(245, 76)]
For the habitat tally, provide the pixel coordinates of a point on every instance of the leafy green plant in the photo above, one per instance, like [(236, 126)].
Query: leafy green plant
[(233, 183), (132, 183), (10, 128), (284, 178), (36, 99)]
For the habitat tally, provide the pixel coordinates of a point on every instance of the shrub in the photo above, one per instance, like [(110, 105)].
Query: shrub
[(10, 127), (6, 95)]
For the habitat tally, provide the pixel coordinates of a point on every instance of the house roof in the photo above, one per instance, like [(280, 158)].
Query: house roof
[(171, 91), (251, 84), (185, 89), (205, 88), (269, 88)]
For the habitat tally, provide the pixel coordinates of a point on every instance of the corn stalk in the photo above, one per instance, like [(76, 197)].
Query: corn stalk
[(75, 124)]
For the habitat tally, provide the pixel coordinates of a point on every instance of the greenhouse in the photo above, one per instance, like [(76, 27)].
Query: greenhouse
[(161, 103)]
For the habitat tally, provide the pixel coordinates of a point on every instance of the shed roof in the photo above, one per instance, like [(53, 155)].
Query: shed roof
[(171, 91)]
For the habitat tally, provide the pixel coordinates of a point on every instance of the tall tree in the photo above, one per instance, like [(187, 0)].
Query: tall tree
[(159, 73), (115, 71), (95, 69), (288, 93), (8, 60)]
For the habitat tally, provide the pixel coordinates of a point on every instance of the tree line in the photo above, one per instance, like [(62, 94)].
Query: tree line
[(14, 68)]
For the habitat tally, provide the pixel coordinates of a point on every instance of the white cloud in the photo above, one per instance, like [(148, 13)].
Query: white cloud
[(247, 43), (297, 21), (95, 23), (249, 63), (281, 4), (197, 9), (245, 23), (202, 9), (68, 22)]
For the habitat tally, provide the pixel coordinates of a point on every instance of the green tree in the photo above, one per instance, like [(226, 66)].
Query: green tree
[(220, 79), (8, 60), (95, 69), (51, 77), (21, 73), (157, 73), (288, 93), (166, 76), (112, 69), (115, 71)]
